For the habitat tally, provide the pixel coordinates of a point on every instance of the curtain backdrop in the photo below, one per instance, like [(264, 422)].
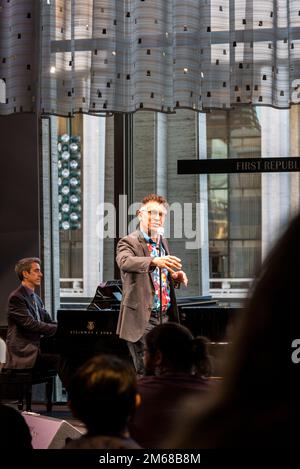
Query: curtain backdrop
[(111, 55), (18, 55)]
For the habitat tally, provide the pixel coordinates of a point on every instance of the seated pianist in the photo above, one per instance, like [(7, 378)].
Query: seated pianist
[(28, 321)]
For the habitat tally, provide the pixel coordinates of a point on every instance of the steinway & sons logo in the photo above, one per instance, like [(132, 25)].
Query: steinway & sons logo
[(90, 326)]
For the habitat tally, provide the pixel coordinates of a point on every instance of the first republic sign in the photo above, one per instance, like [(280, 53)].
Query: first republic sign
[(239, 165)]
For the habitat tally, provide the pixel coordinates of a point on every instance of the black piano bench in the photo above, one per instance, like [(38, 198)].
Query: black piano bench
[(17, 383)]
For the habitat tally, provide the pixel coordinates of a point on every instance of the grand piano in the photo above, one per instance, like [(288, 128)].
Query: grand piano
[(85, 332), (82, 333)]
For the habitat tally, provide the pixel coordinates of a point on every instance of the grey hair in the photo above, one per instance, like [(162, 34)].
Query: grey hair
[(25, 264)]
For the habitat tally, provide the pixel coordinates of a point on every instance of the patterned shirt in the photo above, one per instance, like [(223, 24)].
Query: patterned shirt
[(166, 301)]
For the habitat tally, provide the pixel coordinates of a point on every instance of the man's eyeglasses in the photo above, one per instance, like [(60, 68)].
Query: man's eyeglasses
[(154, 213)]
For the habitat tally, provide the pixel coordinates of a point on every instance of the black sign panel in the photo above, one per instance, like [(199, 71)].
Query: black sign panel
[(239, 165)]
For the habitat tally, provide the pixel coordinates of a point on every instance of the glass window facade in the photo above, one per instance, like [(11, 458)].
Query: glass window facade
[(234, 199), (220, 225)]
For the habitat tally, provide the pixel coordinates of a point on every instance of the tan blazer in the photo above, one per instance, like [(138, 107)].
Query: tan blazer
[(133, 259)]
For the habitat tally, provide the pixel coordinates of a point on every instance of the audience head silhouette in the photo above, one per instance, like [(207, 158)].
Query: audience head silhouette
[(103, 394), (172, 347), (16, 434)]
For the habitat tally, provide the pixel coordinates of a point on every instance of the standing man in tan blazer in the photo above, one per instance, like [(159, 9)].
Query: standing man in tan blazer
[(140, 261)]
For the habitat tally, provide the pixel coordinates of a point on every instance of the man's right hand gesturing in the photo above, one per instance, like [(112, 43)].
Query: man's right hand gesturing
[(168, 262)]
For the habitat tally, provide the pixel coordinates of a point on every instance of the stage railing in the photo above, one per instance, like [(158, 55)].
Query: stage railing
[(71, 286), (229, 287)]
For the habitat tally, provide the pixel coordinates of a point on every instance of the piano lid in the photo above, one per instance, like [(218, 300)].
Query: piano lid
[(196, 300), (108, 295)]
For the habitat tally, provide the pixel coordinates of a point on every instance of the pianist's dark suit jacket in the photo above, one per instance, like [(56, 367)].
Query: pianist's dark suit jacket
[(133, 259), (24, 330)]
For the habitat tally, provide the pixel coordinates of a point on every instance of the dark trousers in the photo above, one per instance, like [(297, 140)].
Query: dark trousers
[(136, 349), (51, 361)]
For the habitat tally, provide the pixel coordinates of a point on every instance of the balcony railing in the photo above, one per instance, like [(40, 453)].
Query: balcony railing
[(71, 286), (229, 287), (219, 287)]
